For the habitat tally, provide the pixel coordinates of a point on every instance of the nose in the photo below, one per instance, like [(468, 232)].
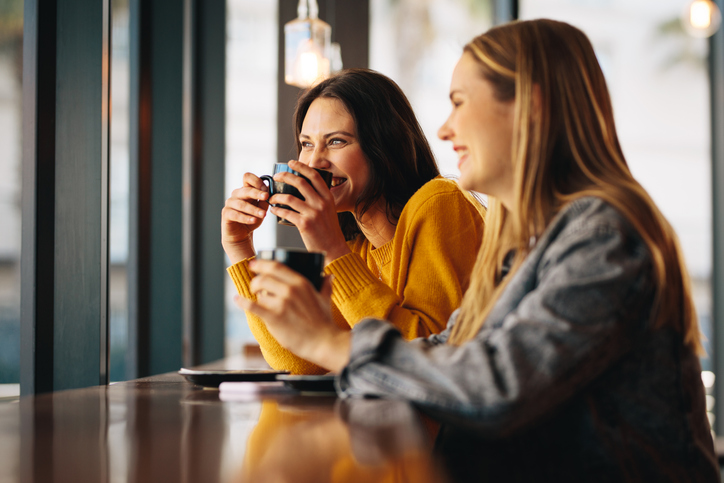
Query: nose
[(318, 160), (445, 133)]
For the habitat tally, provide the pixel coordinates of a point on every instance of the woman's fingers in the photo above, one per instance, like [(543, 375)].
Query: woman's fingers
[(296, 315), (247, 205), (292, 217), (326, 289), (292, 202), (275, 279), (243, 212), (253, 181), (316, 190), (260, 308), (310, 210), (253, 191), (305, 189), (317, 182), (237, 214), (251, 194), (244, 207), (282, 295), (302, 213)]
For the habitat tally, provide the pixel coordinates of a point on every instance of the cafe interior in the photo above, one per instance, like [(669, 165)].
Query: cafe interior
[(124, 126)]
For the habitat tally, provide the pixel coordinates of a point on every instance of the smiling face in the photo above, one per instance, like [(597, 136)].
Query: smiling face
[(329, 141), (481, 130)]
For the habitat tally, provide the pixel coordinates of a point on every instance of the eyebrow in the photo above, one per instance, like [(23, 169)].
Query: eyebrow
[(453, 92), (330, 134)]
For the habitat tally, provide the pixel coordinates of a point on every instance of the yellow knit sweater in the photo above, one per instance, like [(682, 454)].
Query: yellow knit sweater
[(415, 281)]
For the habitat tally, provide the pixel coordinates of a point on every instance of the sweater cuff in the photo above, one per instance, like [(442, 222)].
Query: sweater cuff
[(351, 275), (241, 276)]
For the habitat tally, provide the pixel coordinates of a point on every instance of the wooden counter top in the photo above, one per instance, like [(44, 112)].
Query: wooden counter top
[(165, 429)]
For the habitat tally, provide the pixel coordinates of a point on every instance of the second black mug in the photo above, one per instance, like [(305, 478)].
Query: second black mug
[(309, 264)]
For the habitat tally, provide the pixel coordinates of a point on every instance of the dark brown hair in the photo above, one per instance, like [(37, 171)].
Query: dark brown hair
[(397, 152)]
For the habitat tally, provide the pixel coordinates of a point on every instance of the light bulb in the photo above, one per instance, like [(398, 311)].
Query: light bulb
[(701, 18), (308, 67)]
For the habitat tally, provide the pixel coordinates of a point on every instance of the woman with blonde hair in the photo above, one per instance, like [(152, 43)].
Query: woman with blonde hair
[(576, 345)]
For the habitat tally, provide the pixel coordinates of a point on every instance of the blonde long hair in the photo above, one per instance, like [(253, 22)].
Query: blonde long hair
[(564, 147)]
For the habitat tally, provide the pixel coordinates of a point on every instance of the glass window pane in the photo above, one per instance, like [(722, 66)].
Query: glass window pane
[(417, 44), (118, 306), (251, 106), (11, 55)]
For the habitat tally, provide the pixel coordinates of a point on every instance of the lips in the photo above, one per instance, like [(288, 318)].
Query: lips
[(462, 154), (460, 150)]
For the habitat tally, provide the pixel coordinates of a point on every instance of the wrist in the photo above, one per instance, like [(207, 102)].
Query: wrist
[(332, 255), (333, 352), (239, 250)]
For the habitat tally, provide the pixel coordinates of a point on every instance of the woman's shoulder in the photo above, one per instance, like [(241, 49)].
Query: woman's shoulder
[(437, 185), (441, 205), (591, 212), (590, 217), (442, 191)]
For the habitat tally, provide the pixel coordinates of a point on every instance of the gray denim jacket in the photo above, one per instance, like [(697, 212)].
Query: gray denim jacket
[(567, 366)]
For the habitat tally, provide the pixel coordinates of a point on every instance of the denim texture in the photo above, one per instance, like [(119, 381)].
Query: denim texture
[(567, 372)]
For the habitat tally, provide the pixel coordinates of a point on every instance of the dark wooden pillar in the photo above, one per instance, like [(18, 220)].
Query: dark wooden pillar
[(155, 275), (208, 160), (176, 264), (64, 287)]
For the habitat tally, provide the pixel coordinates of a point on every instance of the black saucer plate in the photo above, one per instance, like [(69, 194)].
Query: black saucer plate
[(214, 378), (324, 383)]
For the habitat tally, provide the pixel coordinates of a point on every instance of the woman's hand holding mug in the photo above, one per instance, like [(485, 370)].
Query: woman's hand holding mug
[(303, 201), (297, 315), (316, 215), (243, 213)]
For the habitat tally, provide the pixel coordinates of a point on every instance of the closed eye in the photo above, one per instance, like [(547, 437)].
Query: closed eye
[(456, 99)]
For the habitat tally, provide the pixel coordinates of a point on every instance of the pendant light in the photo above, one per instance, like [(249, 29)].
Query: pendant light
[(307, 47), (701, 18)]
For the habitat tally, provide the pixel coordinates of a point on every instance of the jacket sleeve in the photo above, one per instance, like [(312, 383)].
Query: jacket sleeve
[(562, 320), (441, 241)]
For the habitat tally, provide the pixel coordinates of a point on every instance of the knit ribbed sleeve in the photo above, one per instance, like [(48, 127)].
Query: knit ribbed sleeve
[(351, 276), (241, 276)]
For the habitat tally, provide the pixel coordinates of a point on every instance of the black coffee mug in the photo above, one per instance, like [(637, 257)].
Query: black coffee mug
[(309, 264), (277, 187)]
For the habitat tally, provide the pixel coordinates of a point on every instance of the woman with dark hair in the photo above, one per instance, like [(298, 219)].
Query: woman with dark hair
[(399, 239), (575, 349)]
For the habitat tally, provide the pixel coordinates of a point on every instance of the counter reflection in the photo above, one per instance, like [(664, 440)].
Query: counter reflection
[(329, 440)]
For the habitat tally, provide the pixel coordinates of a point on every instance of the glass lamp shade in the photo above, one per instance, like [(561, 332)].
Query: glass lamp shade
[(701, 18), (306, 51)]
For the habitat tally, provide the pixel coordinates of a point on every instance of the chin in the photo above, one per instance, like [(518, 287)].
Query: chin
[(463, 182)]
